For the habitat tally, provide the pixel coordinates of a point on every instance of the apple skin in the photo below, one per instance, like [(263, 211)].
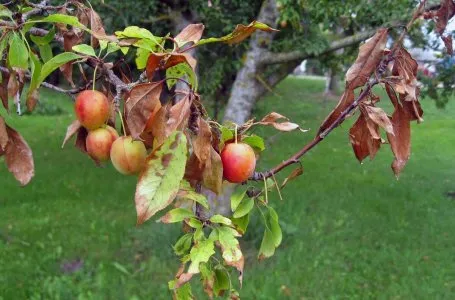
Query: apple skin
[(99, 142), (128, 156), (239, 162), (92, 109)]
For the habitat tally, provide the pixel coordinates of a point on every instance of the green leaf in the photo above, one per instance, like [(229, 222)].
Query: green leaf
[(5, 12), (255, 142), (244, 207), (275, 227), (149, 45), (135, 32), (200, 253), (142, 56), (183, 245), (45, 52), (267, 248), (54, 64), (236, 198), (241, 224), (187, 192), (160, 181), (43, 40), (195, 223), (177, 215), (124, 50), (184, 292), (221, 220), (240, 33), (4, 42), (226, 133), (64, 19), (36, 72), (103, 44), (18, 52), (112, 47), (221, 281), (85, 49), (179, 71)]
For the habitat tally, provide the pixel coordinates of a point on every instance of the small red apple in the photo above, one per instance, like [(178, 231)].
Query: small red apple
[(92, 109), (239, 162), (99, 142), (128, 156)]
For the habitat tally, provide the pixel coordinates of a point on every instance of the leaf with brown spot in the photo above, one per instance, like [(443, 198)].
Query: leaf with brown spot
[(182, 279), (3, 134), (202, 143), (378, 116), (159, 182), (294, 174), (32, 100), (138, 108), (19, 157), (178, 115), (212, 176), (4, 89), (71, 130), (190, 34), (363, 142)]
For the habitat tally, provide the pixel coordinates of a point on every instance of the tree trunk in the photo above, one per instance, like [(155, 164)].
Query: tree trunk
[(246, 88), (333, 83)]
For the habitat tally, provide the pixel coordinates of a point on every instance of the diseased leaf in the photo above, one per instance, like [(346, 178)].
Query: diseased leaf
[(4, 89), (18, 157), (274, 119), (221, 284), (294, 174), (183, 245), (230, 249), (159, 182), (80, 139), (363, 142), (71, 130), (144, 99), (70, 39), (3, 134), (202, 143), (208, 279), (142, 56), (190, 34), (405, 67), (178, 115), (212, 176), (200, 253), (378, 116), (176, 215), (240, 33), (32, 100), (180, 71), (187, 192), (96, 25), (159, 124)]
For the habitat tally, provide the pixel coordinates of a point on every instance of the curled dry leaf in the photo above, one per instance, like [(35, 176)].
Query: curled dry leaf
[(294, 174), (71, 130), (70, 39), (190, 34), (365, 139), (80, 139), (159, 124), (378, 116), (3, 134), (138, 108), (178, 115), (405, 67), (32, 100), (202, 142), (19, 157), (280, 122), (370, 55), (212, 175), (96, 25), (4, 89), (240, 33)]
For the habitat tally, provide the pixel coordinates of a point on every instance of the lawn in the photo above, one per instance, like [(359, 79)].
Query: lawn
[(351, 231)]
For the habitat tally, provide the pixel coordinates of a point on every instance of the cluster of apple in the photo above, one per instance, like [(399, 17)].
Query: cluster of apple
[(103, 142)]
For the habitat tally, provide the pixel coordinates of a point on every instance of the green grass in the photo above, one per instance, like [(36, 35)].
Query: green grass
[(351, 231)]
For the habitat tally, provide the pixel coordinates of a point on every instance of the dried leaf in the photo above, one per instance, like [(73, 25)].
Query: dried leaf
[(4, 89), (191, 33), (178, 115), (159, 182), (202, 143), (32, 100), (19, 157), (405, 67), (363, 142), (274, 118), (3, 134), (378, 116), (212, 176), (448, 43), (13, 85), (138, 108), (71, 130), (346, 99), (70, 39), (153, 62), (96, 25), (80, 139), (159, 124), (294, 174)]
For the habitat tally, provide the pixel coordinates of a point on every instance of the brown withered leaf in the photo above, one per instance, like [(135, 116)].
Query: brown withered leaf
[(70, 39), (202, 143), (241, 32), (442, 16), (294, 174), (405, 67), (32, 100), (96, 25), (212, 176), (194, 169), (191, 33), (346, 99), (19, 157), (3, 134), (363, 142), (280, 122), (378, 116), (159, 124), (182, 279), (400, 142), (177, 58), (178, 115), (153, 62), (138, 108), (71, 130), (370, 55), (13, 85), (448, 43), (80, 139), (4, 89)]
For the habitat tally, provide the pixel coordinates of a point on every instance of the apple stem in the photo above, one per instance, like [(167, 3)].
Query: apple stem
[(121, 119), (235, 133), (94, 77)]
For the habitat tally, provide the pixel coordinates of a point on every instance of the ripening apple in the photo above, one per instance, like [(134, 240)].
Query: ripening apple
[(128, 156), (239, 162), (99, 142), (92, 109)]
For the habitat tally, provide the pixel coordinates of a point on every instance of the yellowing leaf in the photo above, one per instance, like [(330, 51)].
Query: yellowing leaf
[(201, 252), (160, 181)]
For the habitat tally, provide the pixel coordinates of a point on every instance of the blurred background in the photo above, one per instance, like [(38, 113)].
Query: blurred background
[(350, 230)]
